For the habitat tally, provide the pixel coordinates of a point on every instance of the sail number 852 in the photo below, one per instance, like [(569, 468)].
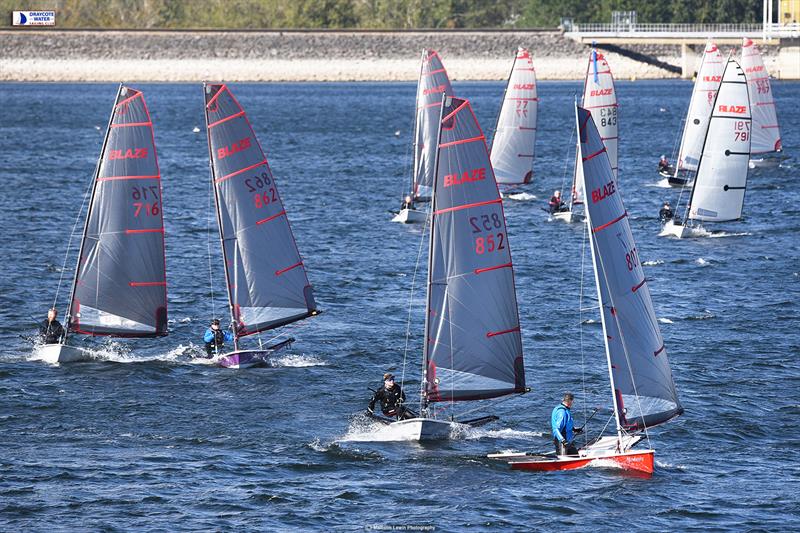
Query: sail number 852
[(491, 242)]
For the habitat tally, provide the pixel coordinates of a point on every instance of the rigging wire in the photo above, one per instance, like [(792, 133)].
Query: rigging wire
[(580, 330), (209, 211)]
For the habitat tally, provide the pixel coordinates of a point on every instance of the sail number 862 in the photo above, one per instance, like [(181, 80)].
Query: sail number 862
[(257, 185)]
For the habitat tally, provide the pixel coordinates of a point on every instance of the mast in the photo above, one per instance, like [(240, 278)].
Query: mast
[(68, 316), (206, 90), (416, 128)]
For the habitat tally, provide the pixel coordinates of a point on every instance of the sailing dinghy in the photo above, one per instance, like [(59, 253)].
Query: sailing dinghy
[(264, 273), (717, 194), (433, 83), (642, 390), (473, 347), (513, 146), (119, 288), (766, 143), (694, 129), (599, 96)]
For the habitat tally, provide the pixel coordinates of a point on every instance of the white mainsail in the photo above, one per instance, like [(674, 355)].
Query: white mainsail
[(513, 146), (718, 192), (705, 88), (766, 131)]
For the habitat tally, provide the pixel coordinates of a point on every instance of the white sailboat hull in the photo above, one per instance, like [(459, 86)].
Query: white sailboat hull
[(61, 353), (671, 229), (410, 216), (569, 217), (423, 429)]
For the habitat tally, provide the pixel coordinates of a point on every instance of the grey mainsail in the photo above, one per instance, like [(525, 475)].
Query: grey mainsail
[(120, 286), (513, 146), (266, 278), (641, 379), (433, 83), (473, 347)]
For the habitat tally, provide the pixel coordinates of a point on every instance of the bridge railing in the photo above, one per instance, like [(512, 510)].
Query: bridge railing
[(678, 30)]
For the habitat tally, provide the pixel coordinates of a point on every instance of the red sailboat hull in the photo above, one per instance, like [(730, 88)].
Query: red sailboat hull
[(638, 461)]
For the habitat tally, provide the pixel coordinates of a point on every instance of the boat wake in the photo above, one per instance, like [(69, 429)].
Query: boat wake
[(364, 429), (296, 361), (660, 184), (653, 263), (519, 196), (470, 433), (665, 320)]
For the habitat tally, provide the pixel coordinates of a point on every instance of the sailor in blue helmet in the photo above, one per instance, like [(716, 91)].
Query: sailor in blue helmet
[(215, 338), (563, 427)]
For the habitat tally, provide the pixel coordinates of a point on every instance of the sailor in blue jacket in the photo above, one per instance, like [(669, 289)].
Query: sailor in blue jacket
[(563, 427), (215, 338)]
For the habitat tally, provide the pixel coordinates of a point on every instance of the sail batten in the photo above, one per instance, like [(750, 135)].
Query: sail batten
[(513, 146), (120, 286), (265, 276), (643, 390), (474, 347)]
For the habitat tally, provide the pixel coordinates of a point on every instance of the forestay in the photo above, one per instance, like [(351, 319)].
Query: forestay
[(266, 279), (433, 83), (474, 347), (705, 88), (641, 379), (513, 146), (120, 285), (718, 193), (600, 97), (766, 131)]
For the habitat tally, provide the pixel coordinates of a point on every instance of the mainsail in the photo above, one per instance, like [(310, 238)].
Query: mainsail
[(718, 192), (433, 83), (641, 380), (266, 279), (705, 88), (473, 347), (600, 97), (766, 131), (514, 140), (120, 286)]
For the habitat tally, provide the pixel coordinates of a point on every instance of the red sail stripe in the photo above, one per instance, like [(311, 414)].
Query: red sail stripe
[(112, 178), (431, 73), (587, 158), (222, 89), (765, 103), (281, 271), (637, 287), (270, 218), (659, 350), (526, 128), (231, 117), (466, 206), (148, 283), (426, 106), (455, 111), (462, 141), (487, 269), (601, 105), (491, 334), (156, 230), (131, 124), (137, 95), (770, 126), (607, 224), (232, 174)]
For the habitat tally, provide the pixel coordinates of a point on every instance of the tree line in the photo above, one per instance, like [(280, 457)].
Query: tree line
[(375, 14)]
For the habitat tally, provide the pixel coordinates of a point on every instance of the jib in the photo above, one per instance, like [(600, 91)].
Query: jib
[(740, 109), (601, 92), (523, 86), (603, 192), (432, 90), (130, 153), (715, 79), (476, 174), (235, 147)]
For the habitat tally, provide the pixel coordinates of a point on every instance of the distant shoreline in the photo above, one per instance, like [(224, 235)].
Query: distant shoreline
[(181, 56)]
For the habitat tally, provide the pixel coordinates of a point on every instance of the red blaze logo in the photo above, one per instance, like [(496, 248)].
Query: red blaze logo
[(523, 86), (433, 90), (601, 92), (715, 79), (476, 174), (738, 109), (238, 146), (757, 68), (130, 153), (603, 192)]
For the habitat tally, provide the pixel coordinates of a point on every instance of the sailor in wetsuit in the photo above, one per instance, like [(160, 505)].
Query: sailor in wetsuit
[(663, 164), (215, 338), (665, 214), (51, 331), (563, 427), (408, 203), (391, 397), (556, 204)]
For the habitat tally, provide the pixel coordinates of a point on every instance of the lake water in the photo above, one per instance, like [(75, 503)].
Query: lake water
[(144, 439)]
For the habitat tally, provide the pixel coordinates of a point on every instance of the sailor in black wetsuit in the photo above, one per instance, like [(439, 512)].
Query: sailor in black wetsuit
[(666, 214), (408, 203), (391, 397), (51, 331)]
